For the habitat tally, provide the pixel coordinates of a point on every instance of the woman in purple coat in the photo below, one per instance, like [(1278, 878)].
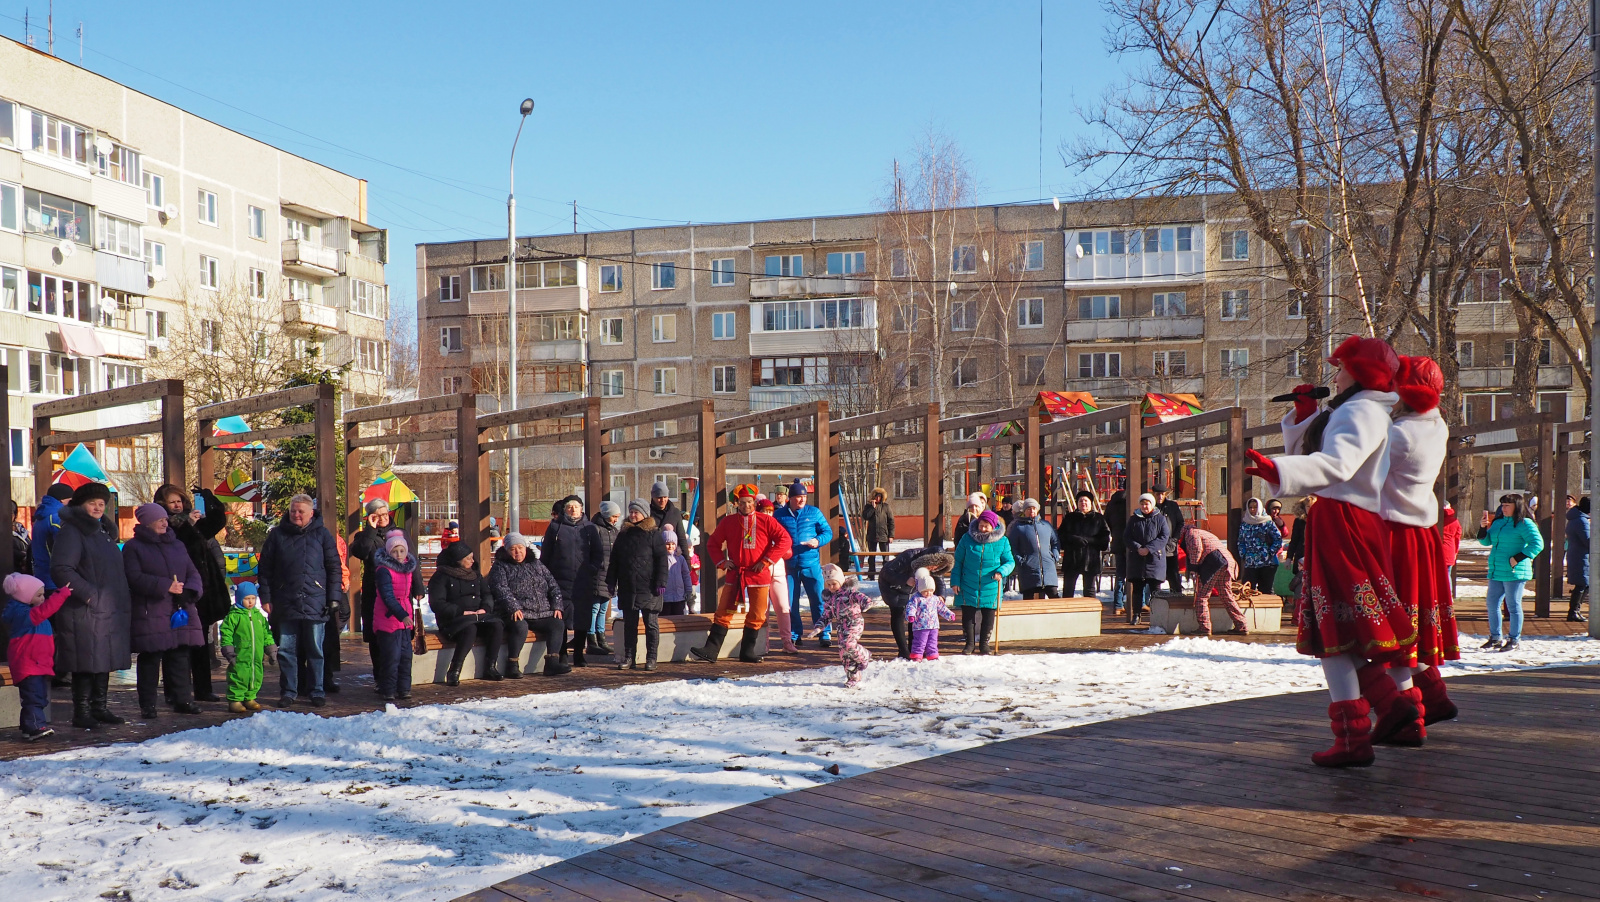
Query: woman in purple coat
[(166, 624)]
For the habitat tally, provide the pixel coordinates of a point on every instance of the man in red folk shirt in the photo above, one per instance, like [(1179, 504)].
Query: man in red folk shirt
[(744, 547)]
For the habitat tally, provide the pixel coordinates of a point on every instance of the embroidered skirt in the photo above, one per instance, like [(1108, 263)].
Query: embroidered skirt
[(1423, 586), (1348, 602)]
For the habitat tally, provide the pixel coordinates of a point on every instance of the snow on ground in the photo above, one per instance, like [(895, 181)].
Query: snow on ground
[(434, 801)]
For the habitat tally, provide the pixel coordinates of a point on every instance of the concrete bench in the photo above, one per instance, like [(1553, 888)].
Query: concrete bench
[(1047, 618), (681, 632), (435, 665), (11, 702), (1175, 614)]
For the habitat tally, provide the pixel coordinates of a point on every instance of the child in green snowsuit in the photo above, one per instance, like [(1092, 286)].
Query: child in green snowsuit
[(247, 644)]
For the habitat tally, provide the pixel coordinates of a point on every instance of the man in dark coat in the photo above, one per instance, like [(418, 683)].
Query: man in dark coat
[(1117, 523), (1084, 535), (94, 627), (895, 586), (1175, 523), (198, 533), (878, 520), (571, 552), (663, 511), (301, 580)]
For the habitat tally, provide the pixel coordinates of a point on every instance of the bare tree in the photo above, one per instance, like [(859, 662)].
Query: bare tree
[(401, 331)]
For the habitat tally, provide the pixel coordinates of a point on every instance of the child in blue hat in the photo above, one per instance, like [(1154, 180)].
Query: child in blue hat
[(247, 644)]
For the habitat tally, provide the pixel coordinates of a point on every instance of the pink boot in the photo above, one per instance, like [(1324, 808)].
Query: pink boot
[(782, 618)]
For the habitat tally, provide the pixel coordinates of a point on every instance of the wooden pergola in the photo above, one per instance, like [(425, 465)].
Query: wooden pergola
[(1165, 443), (925, 419), (1080, 435), (1027, 445), (169, 392), (475, 435), (322, 398)]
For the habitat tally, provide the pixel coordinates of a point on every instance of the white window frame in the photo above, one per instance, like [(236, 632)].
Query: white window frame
[(722, 272), (724, 380), (790, 266), (1161, 303), (1465, 356), (450, 340), (1235, 305), (1295, 307), (663, 276), (967, 320), (724, 326), (1235, 360), (1107, 360), (611, 330), (449, 289), (1169, 363), (255, 219), (958, 374), (905, 317), (899, 263), (610, 274), (155, 253), (486, 276), (12, 286), (208, 207), (10, 203), (1029, 376), (1231, 240), (1033, 256), (210, 273), (664, 380), (258, 283), (1030, 313), (964, 258), (155, 190), (611, 383), (664, 328), (1293, 363), (850, 263), (1110, 303)]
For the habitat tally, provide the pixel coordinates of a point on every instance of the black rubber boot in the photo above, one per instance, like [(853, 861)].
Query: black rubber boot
[(97, 700), (452, 677), (748, 644), (513, 669), (1573, 614), (555, 666), (578, 659), (966, 638), (713, 647), (82, 683)]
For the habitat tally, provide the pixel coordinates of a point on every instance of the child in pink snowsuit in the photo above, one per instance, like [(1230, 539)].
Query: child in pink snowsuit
[(922, 613), (845, 607)]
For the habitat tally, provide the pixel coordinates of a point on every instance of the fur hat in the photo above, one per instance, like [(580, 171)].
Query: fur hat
[(925, 581), (1370, 361), (149, 513), (396, 538), (376, 506), (92, 491), (22, 587), (1419, 383), (976, 499), (659, 490), (1084, 493), (934, 562)]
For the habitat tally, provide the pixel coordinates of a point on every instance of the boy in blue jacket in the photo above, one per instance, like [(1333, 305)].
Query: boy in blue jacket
[(808, 530)]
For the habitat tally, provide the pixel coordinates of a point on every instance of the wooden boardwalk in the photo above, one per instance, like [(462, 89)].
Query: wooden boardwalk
[(1215, 803)]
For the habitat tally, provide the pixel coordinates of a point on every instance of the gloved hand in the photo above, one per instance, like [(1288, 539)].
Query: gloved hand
[(661, 590), (1305, 406), (1264, 467), (231, 654), (272, 654), (180, 619)]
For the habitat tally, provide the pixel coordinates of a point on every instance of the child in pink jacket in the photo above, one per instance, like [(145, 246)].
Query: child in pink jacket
[(922, 613), (32, 649)]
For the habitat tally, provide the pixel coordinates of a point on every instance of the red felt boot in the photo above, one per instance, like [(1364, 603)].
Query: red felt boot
[(1352, 744), (1438, 702), (1393, 710), (1413, 733)]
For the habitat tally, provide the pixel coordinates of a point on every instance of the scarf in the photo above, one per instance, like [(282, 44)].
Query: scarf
[(1313, 438), (460, 572), (1256, 519)]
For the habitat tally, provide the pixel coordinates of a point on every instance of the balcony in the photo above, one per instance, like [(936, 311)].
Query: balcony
[(860, 337), (804, 287), (530, 300), (364, 268), (307, 259), (558, 351), (1144, 328), (312, 317), (1500, 377)]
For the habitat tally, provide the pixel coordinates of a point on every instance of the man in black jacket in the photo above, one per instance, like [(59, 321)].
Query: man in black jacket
[(894, 585), (1117, 522), (663, 511), (571, 552), (1174, 519), (301, 580)]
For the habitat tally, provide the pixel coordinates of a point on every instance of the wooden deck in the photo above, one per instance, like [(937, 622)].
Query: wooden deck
[(1214, 803)]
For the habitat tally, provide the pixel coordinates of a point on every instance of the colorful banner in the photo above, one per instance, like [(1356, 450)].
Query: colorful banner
[(235, 426), (1158, 408), (80, 468), (389, 488)]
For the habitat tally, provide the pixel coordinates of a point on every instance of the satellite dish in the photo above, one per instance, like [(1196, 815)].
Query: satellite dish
[(1077, 249), (108, 303), (170, 211), (66, 247), (158, 273), (1056, 202), (953, 287), (103, 144), (985, 255)]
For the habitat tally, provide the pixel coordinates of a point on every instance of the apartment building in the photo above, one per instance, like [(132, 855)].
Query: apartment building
[(869, 312), (125, 220)]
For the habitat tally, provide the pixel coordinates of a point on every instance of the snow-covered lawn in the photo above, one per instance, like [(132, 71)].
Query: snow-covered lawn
[(434, 801)]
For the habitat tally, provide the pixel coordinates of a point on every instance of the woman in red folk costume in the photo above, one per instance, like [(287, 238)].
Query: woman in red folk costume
[(1349, 614), (1418, 441)]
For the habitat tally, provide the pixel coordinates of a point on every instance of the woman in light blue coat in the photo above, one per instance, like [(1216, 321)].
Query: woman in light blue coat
[(983, 561), (1514, 541)]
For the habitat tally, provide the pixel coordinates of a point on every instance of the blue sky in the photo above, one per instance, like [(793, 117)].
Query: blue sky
[(647, 112)]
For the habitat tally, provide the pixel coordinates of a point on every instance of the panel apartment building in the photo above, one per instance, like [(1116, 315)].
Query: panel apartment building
[(1116, 299), (121, 217)]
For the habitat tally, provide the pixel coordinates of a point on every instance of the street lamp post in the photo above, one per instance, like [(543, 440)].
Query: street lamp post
[(513, 489)]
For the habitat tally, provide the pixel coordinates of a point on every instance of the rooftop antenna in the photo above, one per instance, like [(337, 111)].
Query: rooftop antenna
[(27, 27), (80, 43), (1041, 98), (50, 28), (574, 217)]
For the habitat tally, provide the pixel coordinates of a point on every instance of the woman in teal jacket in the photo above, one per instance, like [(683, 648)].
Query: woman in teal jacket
[(983, 561), (1514, 542)]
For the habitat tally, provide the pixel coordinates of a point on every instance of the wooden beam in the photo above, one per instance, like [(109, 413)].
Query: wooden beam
[(565, 437), (1522, 422), (593, 485), (560, 410), (983, 419), (878, 443), (881, 418), (352, 499), (1189, 423), (1237, 461), (398, 438), (825, 480), (1069, 425), (277, 400), (1495, 448), (115, 397), (405, 409), (649, 417), (259, 435), (1133, 438), (777, 415), (1547, 523), (173, 459), (709, 475), (775, 442), (973, 444), (473, 519), (1033, 474), (57, 439)]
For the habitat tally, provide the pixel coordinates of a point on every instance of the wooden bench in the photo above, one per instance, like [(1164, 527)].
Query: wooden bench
[(1175, 614), (681, 632), (1047, 618), (435, 665)]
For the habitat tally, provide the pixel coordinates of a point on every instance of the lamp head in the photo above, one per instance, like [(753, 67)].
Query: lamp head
[(527, 106)]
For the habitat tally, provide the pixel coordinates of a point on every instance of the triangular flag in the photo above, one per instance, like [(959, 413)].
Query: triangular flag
[(80, 468), (389, 487), (237, 486)]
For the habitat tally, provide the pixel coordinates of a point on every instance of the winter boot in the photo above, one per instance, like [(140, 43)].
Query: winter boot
[(1573, 614), (555, 666), (1434, 698), (492, 674), (966, 638), (598, 640), (713, 647), (513, 669), (782, 626), (452, 677), (578, 659), (1393, 709), (1412, 733), (97, 700), (82, 683), (747, 645), (1352, 746)]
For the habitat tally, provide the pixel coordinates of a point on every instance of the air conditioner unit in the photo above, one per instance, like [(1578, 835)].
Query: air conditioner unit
[(657, 453)]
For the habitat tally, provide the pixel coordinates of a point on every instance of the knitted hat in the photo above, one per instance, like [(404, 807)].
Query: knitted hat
[(991, 518), (1085, 493), (60, 491), (92, 491), (668, 534), (976, 499), (454, 554), (610, 509), (659, 490), (376, 506), (797, 488), (1370, 361), (149, 513), (396, 539), (243, 591), (832, 573), (1419, 383), (517, 540), (1147, 495), (765, 505), (925, 581), (22, 587), (640, 506)]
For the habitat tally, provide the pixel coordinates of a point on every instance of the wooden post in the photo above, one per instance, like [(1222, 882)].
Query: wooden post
[(932, 478), (1135, 444), (473, 518), (324, 411), (353, 518), (1236, 465), (7, 565), (594, 475), (826, 487), (1547, 518), (1558, 561), (705, 427), (174, 466), (42, 471), (205, 466), (1033, 472)]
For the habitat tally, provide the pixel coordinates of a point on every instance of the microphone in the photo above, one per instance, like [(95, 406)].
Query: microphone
[(1321, 391)]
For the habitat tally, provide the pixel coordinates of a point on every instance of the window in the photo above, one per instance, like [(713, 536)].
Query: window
[(488, 278), (57, 217), (1464, 354), (1100, 366), (118, 236), (1236, 304), (10, 215), (907, 484), (19, 437), (724, 379), (1235, 363), (842, 313), (155, 190), (372, 355), (305, 349), (785, 265), (1508, 352), (449, 339), (610, 278), (1030, 313), (664, 328), (905, 317), (8, 134), (1236, 245), (123, 375), (547, 274), (258, 344), (450, 385), (369, 299), (121, 164), (907, 375), (722, 271), (847, 263), (1100, 306), (210, 336), (665, 380), (964, 372), (1032, 370), (155, 254), (1297, 307), (963, 316), (10, 289), (256, 219), (298, 290), (1545, 352), (60, 139), (611, 383), (449, 288), (1513, 477), (663, 276), (66, 298), (1185, 236), (723, 326), (1294, 363), (1032, 256), (1170, 303), (1170, 363), (210, 272), (155, 324), (258, 283), (794, 371), (899, 266), (208, 206), (964, 258)]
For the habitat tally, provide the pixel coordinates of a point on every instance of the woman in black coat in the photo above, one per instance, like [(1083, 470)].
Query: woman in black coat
[(1117, 523), (1147, 536), (94, 628), (198, 533), (639, 570), (462, 603), (571, 552), (1084, 535), (529, 601)]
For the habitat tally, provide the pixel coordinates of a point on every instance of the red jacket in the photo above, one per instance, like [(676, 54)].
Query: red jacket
[(746, 542), (32, 649), (1450, 536)]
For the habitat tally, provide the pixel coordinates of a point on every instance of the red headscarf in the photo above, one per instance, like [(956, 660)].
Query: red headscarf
[(1370, 361), (1419, 383)]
